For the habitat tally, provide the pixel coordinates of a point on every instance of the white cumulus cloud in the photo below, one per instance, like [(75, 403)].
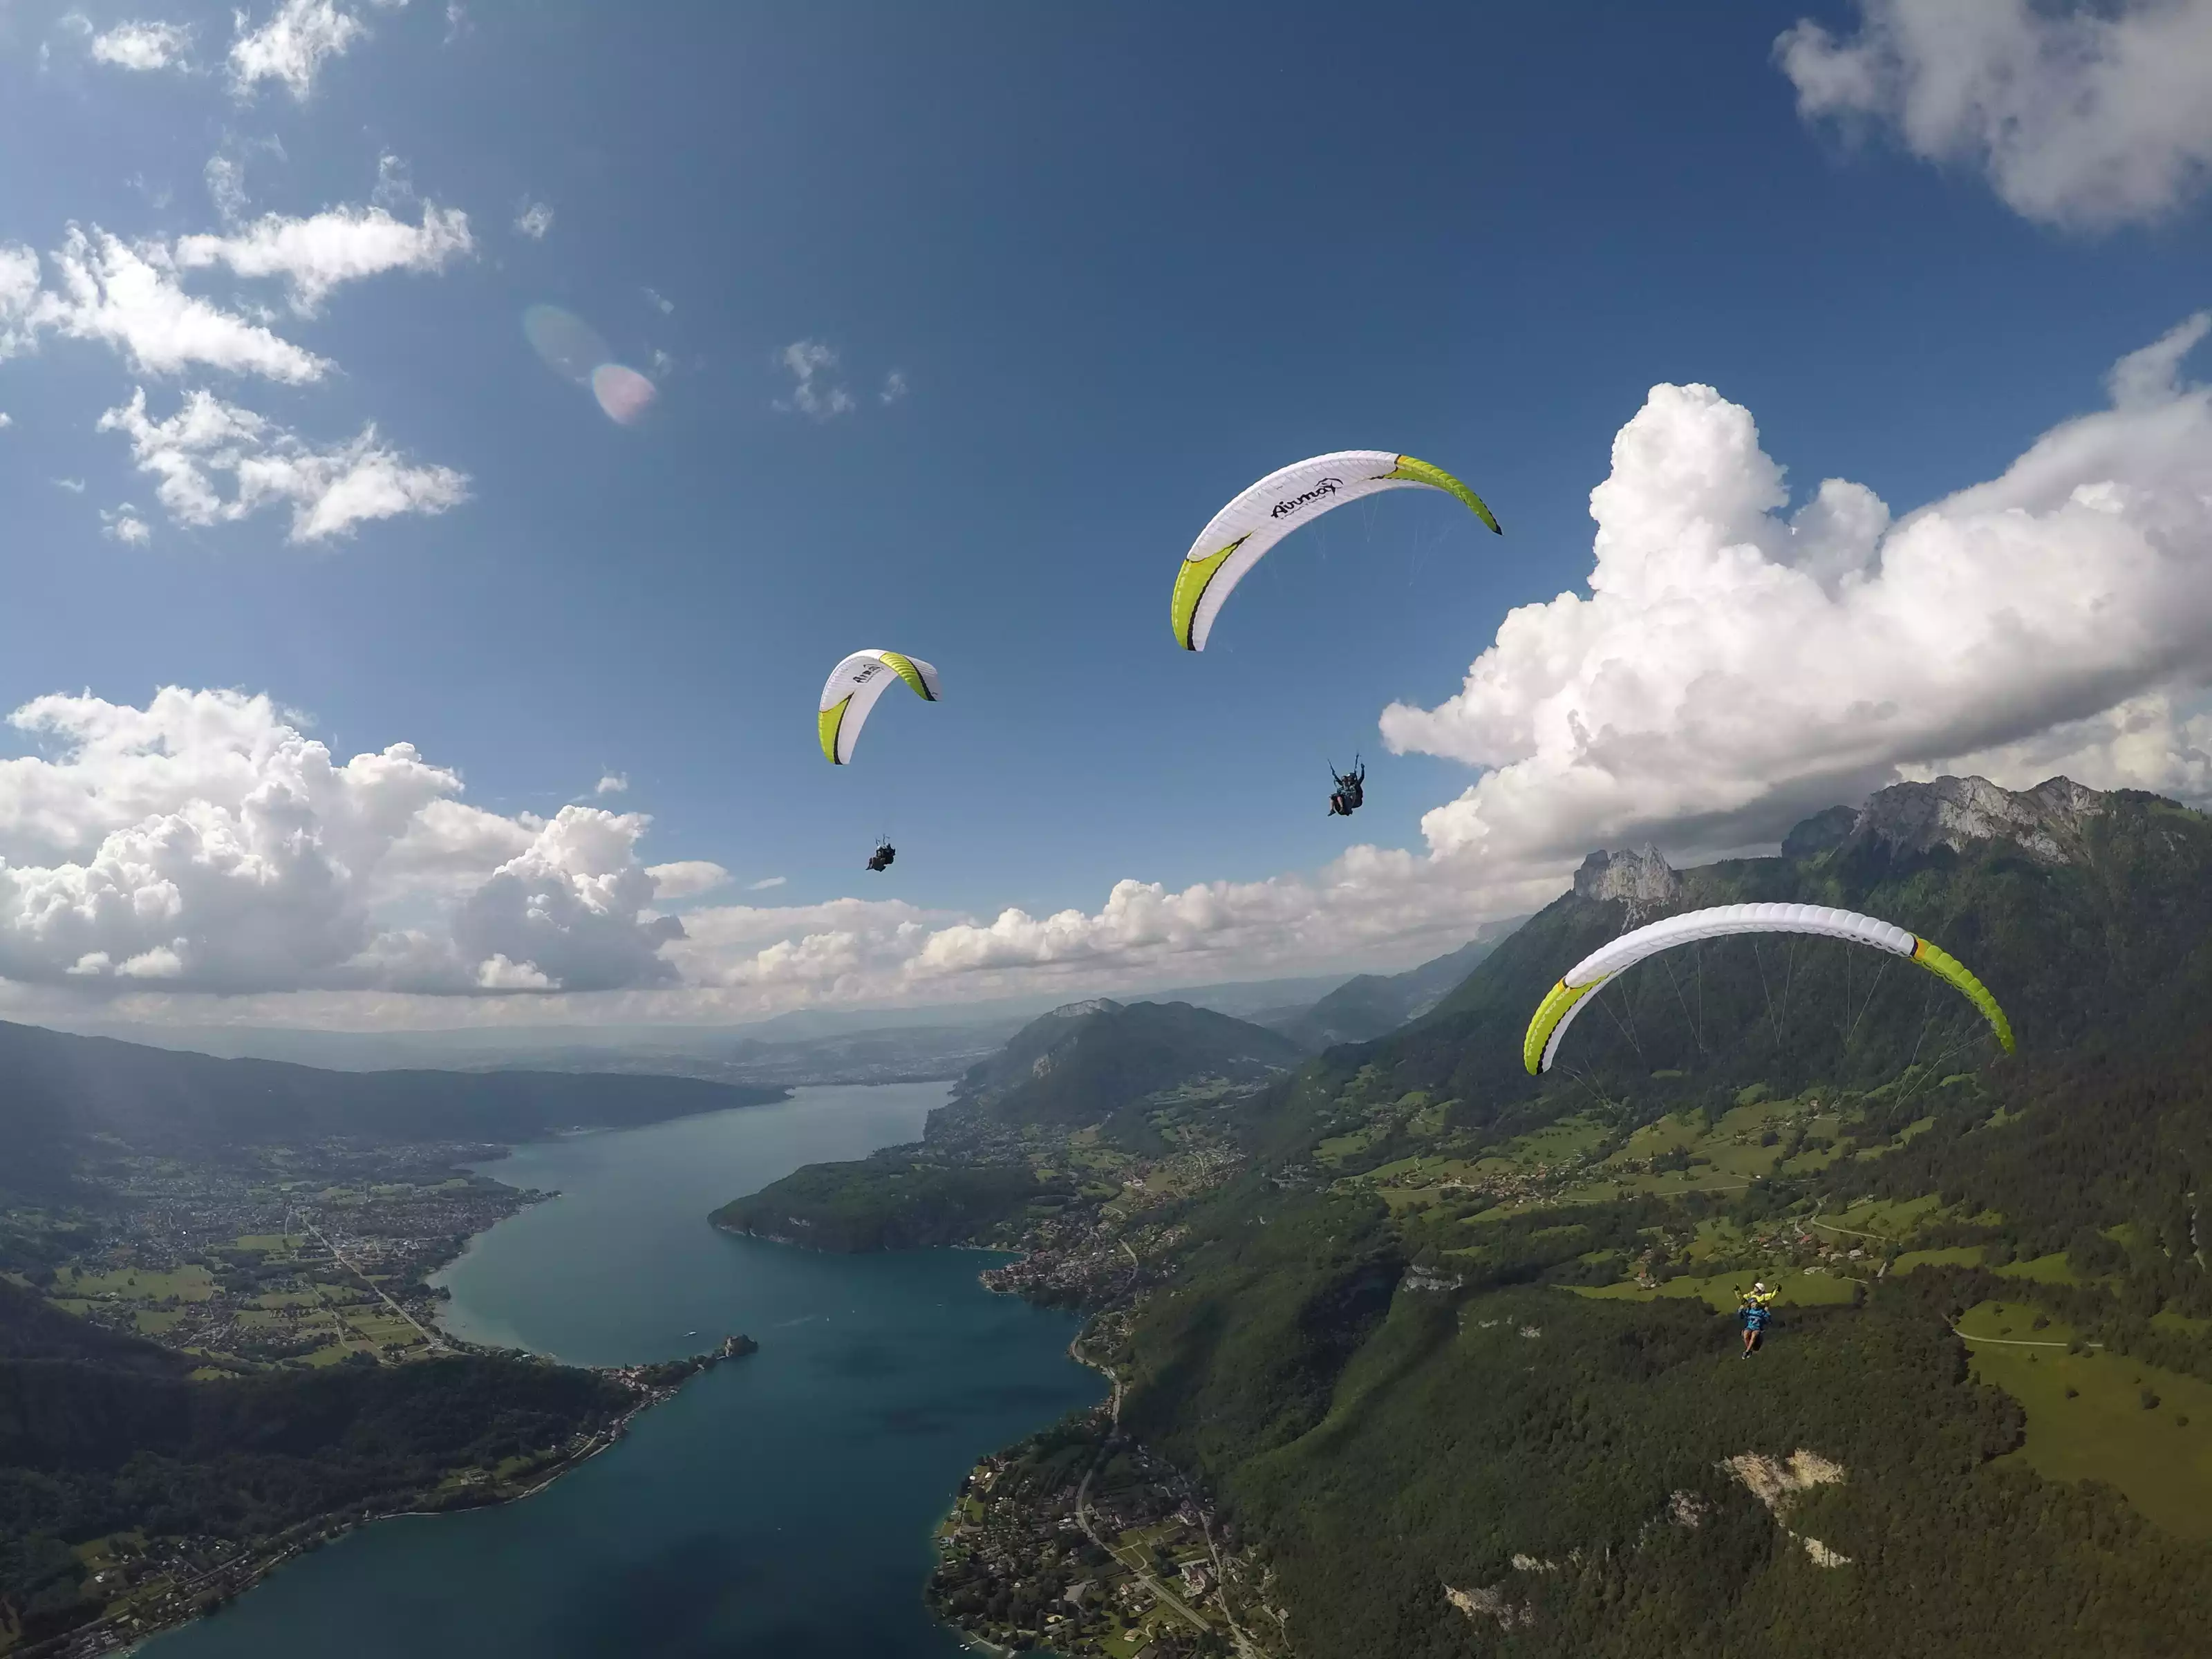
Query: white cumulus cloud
[(686, 878), (568, 907), (19, 299), (130, 298), (204, 842), (1732, 666), (123, 524), (143, 45), (1369, 904), (292, 46), (331, 491), (2082, 116), (342, 245)]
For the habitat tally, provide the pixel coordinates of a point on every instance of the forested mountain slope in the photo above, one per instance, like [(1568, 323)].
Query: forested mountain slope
[(1422, 1350), (1368, 1005), (1083, 1063), (2088, 914)]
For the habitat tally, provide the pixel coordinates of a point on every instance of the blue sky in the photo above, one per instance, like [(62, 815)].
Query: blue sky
[(1085, 273)]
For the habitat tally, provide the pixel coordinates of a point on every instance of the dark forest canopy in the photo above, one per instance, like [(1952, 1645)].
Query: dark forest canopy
[(101, 1433)]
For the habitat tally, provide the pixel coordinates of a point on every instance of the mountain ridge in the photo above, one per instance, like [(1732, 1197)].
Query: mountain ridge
[(63, 1096)]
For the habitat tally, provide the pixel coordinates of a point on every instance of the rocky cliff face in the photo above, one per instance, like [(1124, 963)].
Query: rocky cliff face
[(2049, 821), (1078, 1010), (1643, 876)]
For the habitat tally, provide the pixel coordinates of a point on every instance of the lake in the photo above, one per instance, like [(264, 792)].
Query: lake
[(781, 1504)]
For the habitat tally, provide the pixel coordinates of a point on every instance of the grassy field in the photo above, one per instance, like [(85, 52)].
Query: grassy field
[(1882, 1219), (2087, 1419), (2042, 1269), (1722, 1291), (1957, 1256), (132, 1285)]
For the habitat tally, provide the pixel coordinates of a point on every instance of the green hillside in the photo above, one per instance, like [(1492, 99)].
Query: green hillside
[(1075, 1101), (886, 1202), (1453, 1346), (1455, 1350), (2098, 947), (1089, 1061)]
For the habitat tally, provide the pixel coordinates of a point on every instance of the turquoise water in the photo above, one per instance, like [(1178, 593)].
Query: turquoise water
[(781, 1505)]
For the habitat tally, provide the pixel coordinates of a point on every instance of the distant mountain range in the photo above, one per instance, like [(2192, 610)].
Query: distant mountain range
[(805, 1046), (1368, 1004), (60, 1094)]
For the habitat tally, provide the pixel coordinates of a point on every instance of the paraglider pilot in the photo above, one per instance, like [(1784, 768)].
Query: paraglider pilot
[(881, 858), (1351, 790), (1755, 1310)]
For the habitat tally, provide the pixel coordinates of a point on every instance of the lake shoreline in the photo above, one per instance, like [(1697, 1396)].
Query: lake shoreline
[(884, 1379), (317, 1532)]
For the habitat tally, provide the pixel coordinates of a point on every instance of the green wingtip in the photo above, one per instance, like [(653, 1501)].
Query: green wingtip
[(1948, 968), (903, 666), (827, 723), (1422, 471), (1549, 1012), (1190, 587)]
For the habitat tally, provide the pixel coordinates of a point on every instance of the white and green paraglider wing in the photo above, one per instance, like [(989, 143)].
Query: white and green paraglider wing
[(1581, 982), (1242, 531), (853, 688)]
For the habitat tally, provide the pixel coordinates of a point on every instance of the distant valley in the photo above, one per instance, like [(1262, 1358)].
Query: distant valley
[(218, 1343)]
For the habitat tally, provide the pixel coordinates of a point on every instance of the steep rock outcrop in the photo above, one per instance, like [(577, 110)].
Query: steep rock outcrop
[(1641, 876), (2048, 822)]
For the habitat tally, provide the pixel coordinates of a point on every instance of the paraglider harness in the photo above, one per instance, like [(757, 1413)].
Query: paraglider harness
[(1756, 1311), (881, 858), (1351, 790)]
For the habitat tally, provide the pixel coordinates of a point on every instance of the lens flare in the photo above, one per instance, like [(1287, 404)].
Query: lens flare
[(570, 346), (623, 392)]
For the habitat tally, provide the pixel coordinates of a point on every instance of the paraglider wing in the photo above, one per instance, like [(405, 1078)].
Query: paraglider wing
[(1581, 981), (1242, 531), (853, 688)]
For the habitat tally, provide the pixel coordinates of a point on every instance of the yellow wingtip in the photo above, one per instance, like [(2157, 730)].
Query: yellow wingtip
[(1948, 968)]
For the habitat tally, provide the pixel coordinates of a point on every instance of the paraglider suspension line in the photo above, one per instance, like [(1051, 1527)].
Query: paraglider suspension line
[(1767, 990), (1697, 1036), (1851, 1029), (1626, 1030)]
